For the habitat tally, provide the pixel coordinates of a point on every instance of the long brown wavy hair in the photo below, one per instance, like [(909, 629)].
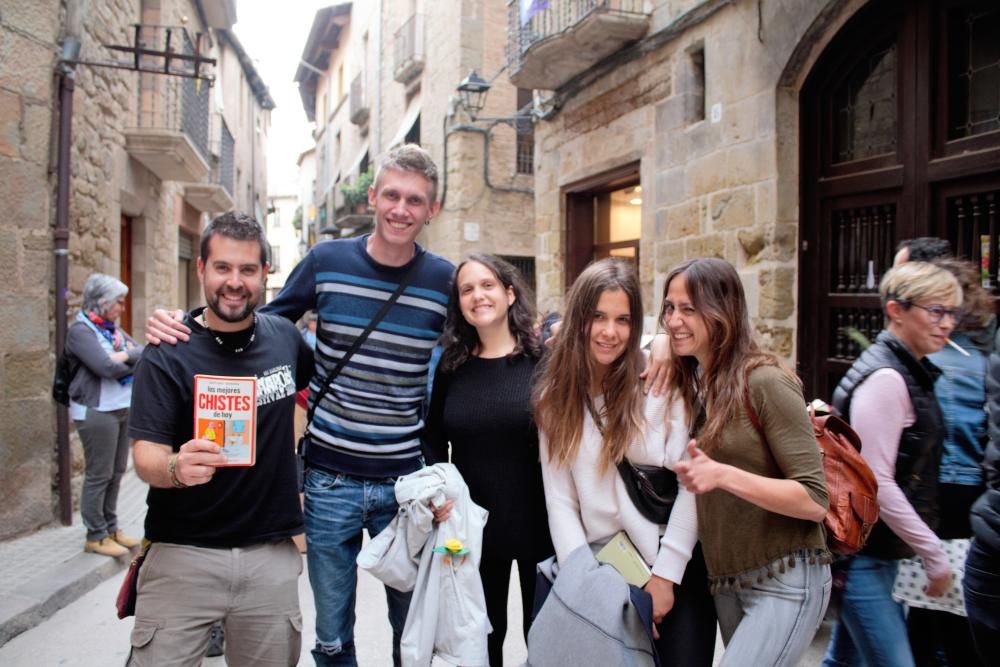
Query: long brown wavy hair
[(562, 395), (717, 295)]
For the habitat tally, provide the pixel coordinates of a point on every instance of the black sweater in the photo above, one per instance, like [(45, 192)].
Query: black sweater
[(483, 409)]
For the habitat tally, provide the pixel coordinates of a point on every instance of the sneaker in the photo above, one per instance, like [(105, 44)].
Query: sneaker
[(106, 547), (124, 540), (216, 641)]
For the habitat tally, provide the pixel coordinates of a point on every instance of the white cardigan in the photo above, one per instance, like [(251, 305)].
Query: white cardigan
[(586, 506)]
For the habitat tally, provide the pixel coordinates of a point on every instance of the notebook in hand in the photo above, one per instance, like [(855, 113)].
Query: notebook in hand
[(621, 554)]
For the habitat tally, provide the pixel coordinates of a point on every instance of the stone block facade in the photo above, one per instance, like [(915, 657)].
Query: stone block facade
[(477, 216), (703, 106), (107, 186), (28, 34)]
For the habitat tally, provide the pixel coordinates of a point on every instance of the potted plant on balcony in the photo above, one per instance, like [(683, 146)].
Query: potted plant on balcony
[(356, 194)]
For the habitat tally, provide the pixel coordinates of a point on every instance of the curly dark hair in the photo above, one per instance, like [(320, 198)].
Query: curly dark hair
[(977, 304), (460, 339)]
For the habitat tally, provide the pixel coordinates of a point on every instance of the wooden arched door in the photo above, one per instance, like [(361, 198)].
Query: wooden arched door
[(900, 122)]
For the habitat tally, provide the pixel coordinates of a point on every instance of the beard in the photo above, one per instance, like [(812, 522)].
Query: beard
[(229, 313)]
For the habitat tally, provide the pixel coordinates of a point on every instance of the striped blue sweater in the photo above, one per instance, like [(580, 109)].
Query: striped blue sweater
[(369, 423)]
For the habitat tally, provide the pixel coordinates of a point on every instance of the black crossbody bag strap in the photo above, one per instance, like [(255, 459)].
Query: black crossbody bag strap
[(359, 341)]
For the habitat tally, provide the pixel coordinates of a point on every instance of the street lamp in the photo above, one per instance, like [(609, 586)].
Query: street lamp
[(472, 92)]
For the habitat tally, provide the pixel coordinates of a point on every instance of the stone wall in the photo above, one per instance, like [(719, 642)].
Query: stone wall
[(29, 33), (711, 182), (104, 184), (502, 214)]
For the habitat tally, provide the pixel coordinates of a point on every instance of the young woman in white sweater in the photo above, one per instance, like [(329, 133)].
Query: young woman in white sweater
[(591, 414)]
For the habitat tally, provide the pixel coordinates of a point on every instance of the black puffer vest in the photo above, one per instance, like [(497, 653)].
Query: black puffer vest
[(920, 445)]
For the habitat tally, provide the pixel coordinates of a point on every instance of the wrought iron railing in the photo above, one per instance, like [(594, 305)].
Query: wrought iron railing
[(533, 22), (174, 103), (973, 224), (525, 157), (227, 161), (409, 41)]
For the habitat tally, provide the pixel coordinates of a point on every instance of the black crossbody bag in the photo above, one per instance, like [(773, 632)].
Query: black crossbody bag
[(653, 489), (304, 441)]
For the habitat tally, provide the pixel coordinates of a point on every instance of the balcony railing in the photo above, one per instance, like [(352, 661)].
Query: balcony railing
[(227, 161), (359, 100), (548, 43), (170, 136), (218, 194), (409, 41)]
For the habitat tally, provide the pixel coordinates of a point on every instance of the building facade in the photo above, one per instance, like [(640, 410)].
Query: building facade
[(284, 234), (799, 140), (375, 75), (152, 157), (306, 180)]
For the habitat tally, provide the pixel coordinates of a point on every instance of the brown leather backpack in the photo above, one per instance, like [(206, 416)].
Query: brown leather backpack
[(850, 484)]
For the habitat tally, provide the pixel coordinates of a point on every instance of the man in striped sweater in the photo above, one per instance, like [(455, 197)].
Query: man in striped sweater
[(366, 432)]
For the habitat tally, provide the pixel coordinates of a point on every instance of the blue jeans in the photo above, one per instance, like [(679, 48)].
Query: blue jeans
[(337, 508), (981, 586), (872, 628)]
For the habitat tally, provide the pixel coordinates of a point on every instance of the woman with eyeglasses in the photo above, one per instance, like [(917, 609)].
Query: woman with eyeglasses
[(888, 397), (961, 393), (100, 394)]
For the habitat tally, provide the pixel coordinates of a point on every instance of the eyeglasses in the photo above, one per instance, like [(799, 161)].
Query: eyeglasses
[(936, 313)]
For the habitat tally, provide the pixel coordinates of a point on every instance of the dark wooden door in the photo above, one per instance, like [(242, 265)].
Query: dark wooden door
[(900, 122), (583, 216), (126, 270)]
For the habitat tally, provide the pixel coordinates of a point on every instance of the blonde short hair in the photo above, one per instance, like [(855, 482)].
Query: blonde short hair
[(411, 158), (913, 281)]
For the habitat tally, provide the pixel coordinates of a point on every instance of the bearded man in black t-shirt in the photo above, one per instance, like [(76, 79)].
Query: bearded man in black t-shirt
[(221, 536)]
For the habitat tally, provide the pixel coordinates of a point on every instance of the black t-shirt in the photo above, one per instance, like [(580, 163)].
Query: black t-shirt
[(240, 506), (483, 409)]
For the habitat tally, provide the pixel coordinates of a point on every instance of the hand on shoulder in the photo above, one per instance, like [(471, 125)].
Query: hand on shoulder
[(166, 326)]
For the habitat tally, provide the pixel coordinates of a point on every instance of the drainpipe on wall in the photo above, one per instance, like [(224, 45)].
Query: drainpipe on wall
[(378, 83), (60, 236)]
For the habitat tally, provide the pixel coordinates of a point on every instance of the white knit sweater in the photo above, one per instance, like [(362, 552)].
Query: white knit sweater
[(586, 506)]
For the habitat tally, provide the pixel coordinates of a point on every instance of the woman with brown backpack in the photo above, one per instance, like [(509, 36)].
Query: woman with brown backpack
[(761, 496), (888, 397)]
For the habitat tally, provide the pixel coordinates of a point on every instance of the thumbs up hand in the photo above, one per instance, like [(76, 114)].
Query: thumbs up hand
[(699, 473)]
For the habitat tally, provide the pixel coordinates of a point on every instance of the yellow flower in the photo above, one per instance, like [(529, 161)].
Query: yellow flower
[(454, 545)]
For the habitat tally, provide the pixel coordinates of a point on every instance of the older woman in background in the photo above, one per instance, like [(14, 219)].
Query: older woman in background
[(100, 394), (961, 393), (888, 396)]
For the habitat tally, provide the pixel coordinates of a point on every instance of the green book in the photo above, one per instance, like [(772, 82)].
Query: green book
[(621, 554)]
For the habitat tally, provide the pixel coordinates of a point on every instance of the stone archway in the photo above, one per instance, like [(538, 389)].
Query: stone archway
[(814, 41)]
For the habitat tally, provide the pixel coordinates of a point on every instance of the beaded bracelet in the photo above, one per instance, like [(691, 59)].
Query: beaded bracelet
[(172, 471)]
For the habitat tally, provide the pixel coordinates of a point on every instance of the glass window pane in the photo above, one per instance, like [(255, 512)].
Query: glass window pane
[(865, 108), (618, 215), (974, 76)]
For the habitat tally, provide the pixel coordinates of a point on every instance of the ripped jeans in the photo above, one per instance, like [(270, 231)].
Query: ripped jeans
[(337, 508)]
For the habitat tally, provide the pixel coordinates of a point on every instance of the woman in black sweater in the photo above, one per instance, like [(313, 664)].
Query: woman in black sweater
[(481, 405)]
